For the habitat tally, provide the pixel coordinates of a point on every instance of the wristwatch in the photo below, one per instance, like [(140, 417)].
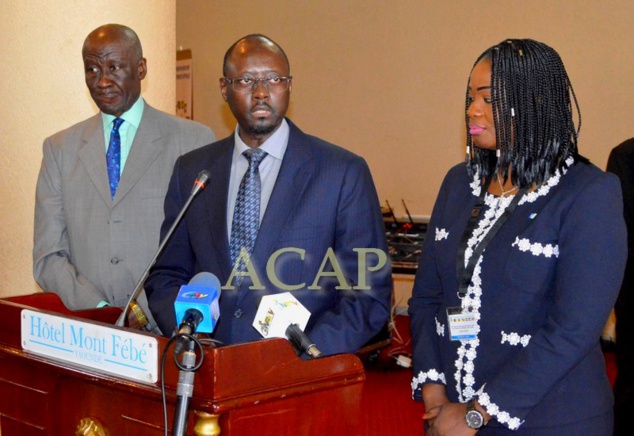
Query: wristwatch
[(473, 418)]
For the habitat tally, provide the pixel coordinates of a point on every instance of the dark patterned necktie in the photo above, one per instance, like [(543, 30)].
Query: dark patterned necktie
[(113, 156), (246, 214)]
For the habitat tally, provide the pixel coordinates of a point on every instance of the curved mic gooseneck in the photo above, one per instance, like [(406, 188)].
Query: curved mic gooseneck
[(199, 185)]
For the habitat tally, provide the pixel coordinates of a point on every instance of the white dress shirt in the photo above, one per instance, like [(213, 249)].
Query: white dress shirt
[(269, 168)]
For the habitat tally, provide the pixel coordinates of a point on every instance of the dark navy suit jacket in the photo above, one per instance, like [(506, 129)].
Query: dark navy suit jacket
[(324, 197)]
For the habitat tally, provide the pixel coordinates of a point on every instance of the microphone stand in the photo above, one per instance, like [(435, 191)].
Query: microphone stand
[(184, 390), (199, 185)]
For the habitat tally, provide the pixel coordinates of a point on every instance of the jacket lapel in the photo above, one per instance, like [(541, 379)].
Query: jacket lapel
[(216, 201), (295, 173), (145, 148), (92, 154)]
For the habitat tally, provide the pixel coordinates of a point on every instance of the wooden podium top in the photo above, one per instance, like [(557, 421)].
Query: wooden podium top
[(262, 384)]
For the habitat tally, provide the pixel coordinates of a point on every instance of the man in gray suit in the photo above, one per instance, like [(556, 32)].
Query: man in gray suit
[(100, 191)]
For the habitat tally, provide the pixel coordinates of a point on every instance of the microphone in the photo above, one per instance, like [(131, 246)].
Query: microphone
[(196, 304), (283, 316), (199, 185)]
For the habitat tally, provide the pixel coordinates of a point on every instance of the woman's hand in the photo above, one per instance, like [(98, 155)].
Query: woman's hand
[(434, 396), (449, 420)]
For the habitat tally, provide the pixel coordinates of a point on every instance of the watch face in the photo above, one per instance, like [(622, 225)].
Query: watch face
[(474, 419)]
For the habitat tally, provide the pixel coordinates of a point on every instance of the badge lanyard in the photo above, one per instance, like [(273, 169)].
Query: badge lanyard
[(463, 324), (466, 272)]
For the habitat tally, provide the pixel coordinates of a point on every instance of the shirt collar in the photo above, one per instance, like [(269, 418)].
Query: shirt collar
[(132, 116)]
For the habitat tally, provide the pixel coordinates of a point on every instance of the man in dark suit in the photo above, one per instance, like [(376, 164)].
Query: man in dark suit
[(621, 163), (320, 234), (95, 236)]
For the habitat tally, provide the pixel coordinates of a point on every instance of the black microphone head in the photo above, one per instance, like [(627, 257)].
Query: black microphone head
[(301, 343), (201, 181), (204, 176)]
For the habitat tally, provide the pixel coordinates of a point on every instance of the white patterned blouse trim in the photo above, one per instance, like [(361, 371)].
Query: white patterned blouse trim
[(514, 338), (513, 423), (496, 206), (441, 234), (467, 351), (498, 202), (529, 197), (536, 248), (440, 328), (475, 185), (422, 377)]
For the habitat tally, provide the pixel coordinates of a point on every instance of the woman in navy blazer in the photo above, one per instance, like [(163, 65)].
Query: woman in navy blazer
[(522, 263)]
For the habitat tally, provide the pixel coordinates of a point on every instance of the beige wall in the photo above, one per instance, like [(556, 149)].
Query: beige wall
[(43, 91), (387, 79)]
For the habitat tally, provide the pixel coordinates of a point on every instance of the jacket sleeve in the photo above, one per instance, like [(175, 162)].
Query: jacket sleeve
[(52, 266), (427, 297), (360, 313), (589, 269), (174, 269)]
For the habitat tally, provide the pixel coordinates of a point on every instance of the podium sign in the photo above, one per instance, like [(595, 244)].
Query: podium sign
[(111, 350), (260, 386)]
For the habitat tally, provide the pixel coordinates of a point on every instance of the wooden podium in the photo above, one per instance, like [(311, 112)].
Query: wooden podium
[(258, 388)]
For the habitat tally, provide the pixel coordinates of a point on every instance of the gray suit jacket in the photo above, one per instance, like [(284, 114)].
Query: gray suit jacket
[(87, 246)]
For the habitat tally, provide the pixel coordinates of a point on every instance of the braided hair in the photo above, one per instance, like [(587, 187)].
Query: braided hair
[(532, 112)]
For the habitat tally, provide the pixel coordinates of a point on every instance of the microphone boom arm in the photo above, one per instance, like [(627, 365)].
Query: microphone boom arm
[(199, 185)]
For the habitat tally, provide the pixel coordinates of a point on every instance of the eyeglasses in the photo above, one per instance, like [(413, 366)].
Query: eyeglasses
[(244, 85)]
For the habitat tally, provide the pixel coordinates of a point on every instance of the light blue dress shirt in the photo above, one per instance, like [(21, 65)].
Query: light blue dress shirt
[(128, 129)]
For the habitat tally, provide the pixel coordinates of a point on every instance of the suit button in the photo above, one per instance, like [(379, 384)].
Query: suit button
[(114, 261), (238, 313)]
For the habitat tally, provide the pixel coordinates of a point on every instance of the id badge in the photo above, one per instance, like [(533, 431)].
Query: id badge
[(462, 324)]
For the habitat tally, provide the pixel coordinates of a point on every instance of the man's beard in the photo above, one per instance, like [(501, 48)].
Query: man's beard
[(262, 129)]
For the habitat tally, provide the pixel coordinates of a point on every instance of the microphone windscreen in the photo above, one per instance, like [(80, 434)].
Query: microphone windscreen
[(276, 312), (201, 293), (206, 279)]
